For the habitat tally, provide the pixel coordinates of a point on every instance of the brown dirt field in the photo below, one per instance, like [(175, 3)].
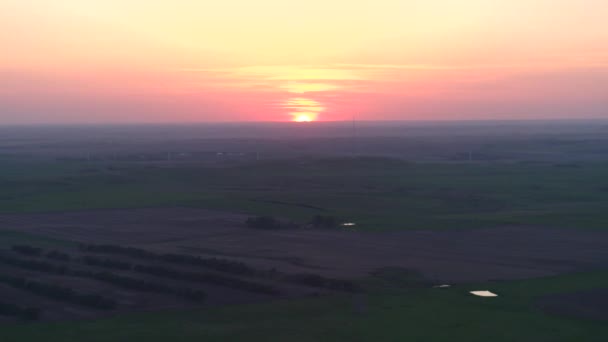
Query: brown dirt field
[(585, 304), (447, 256)]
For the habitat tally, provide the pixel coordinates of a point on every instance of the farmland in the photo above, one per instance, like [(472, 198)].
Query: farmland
[(105, 236)]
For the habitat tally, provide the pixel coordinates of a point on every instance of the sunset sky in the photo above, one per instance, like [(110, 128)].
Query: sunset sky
[(109, 61)]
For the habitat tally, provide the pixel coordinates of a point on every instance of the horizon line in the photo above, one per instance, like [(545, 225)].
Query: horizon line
[(301, 124)]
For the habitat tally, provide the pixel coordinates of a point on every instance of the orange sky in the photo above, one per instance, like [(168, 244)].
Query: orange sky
[(277, 60)]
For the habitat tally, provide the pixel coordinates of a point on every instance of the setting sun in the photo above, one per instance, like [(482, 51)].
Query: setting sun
[(303, 109), (303, 118), (150, 61)]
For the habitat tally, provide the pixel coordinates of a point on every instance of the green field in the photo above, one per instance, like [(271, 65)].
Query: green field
[(414, 315), (377, 193)]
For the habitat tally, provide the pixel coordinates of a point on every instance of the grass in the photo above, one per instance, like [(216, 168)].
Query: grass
[(378, 194), (413, 315)]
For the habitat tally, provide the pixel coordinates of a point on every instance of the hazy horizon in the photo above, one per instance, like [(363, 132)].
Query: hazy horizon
[(346, 122)]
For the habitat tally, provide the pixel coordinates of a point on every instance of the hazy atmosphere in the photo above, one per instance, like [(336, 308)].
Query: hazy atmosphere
[(112, 61), (307, 171)]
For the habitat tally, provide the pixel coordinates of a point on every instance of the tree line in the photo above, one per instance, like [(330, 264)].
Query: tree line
[(159, 271), (111, 278), (210, 278), (220, 265), (58, 292), (37, 252), (140, 285), (60, 256), (144, 285), (34, 265), (228, 266)]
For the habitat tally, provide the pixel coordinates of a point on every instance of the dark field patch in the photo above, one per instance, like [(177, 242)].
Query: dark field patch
[(509, 252), (133, 279)]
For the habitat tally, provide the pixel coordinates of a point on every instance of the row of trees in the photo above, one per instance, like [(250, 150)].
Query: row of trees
[(228, 266), (59, 292), (25, 313), (144, 285), (210, 278), (37, 252), (220, 265), (159, 271), (34, 265), (111, 278), (60, 256), (120, 250), (306, 279)]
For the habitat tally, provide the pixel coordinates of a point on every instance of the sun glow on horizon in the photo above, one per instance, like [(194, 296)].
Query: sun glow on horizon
[(303, 109), (303, 117)]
